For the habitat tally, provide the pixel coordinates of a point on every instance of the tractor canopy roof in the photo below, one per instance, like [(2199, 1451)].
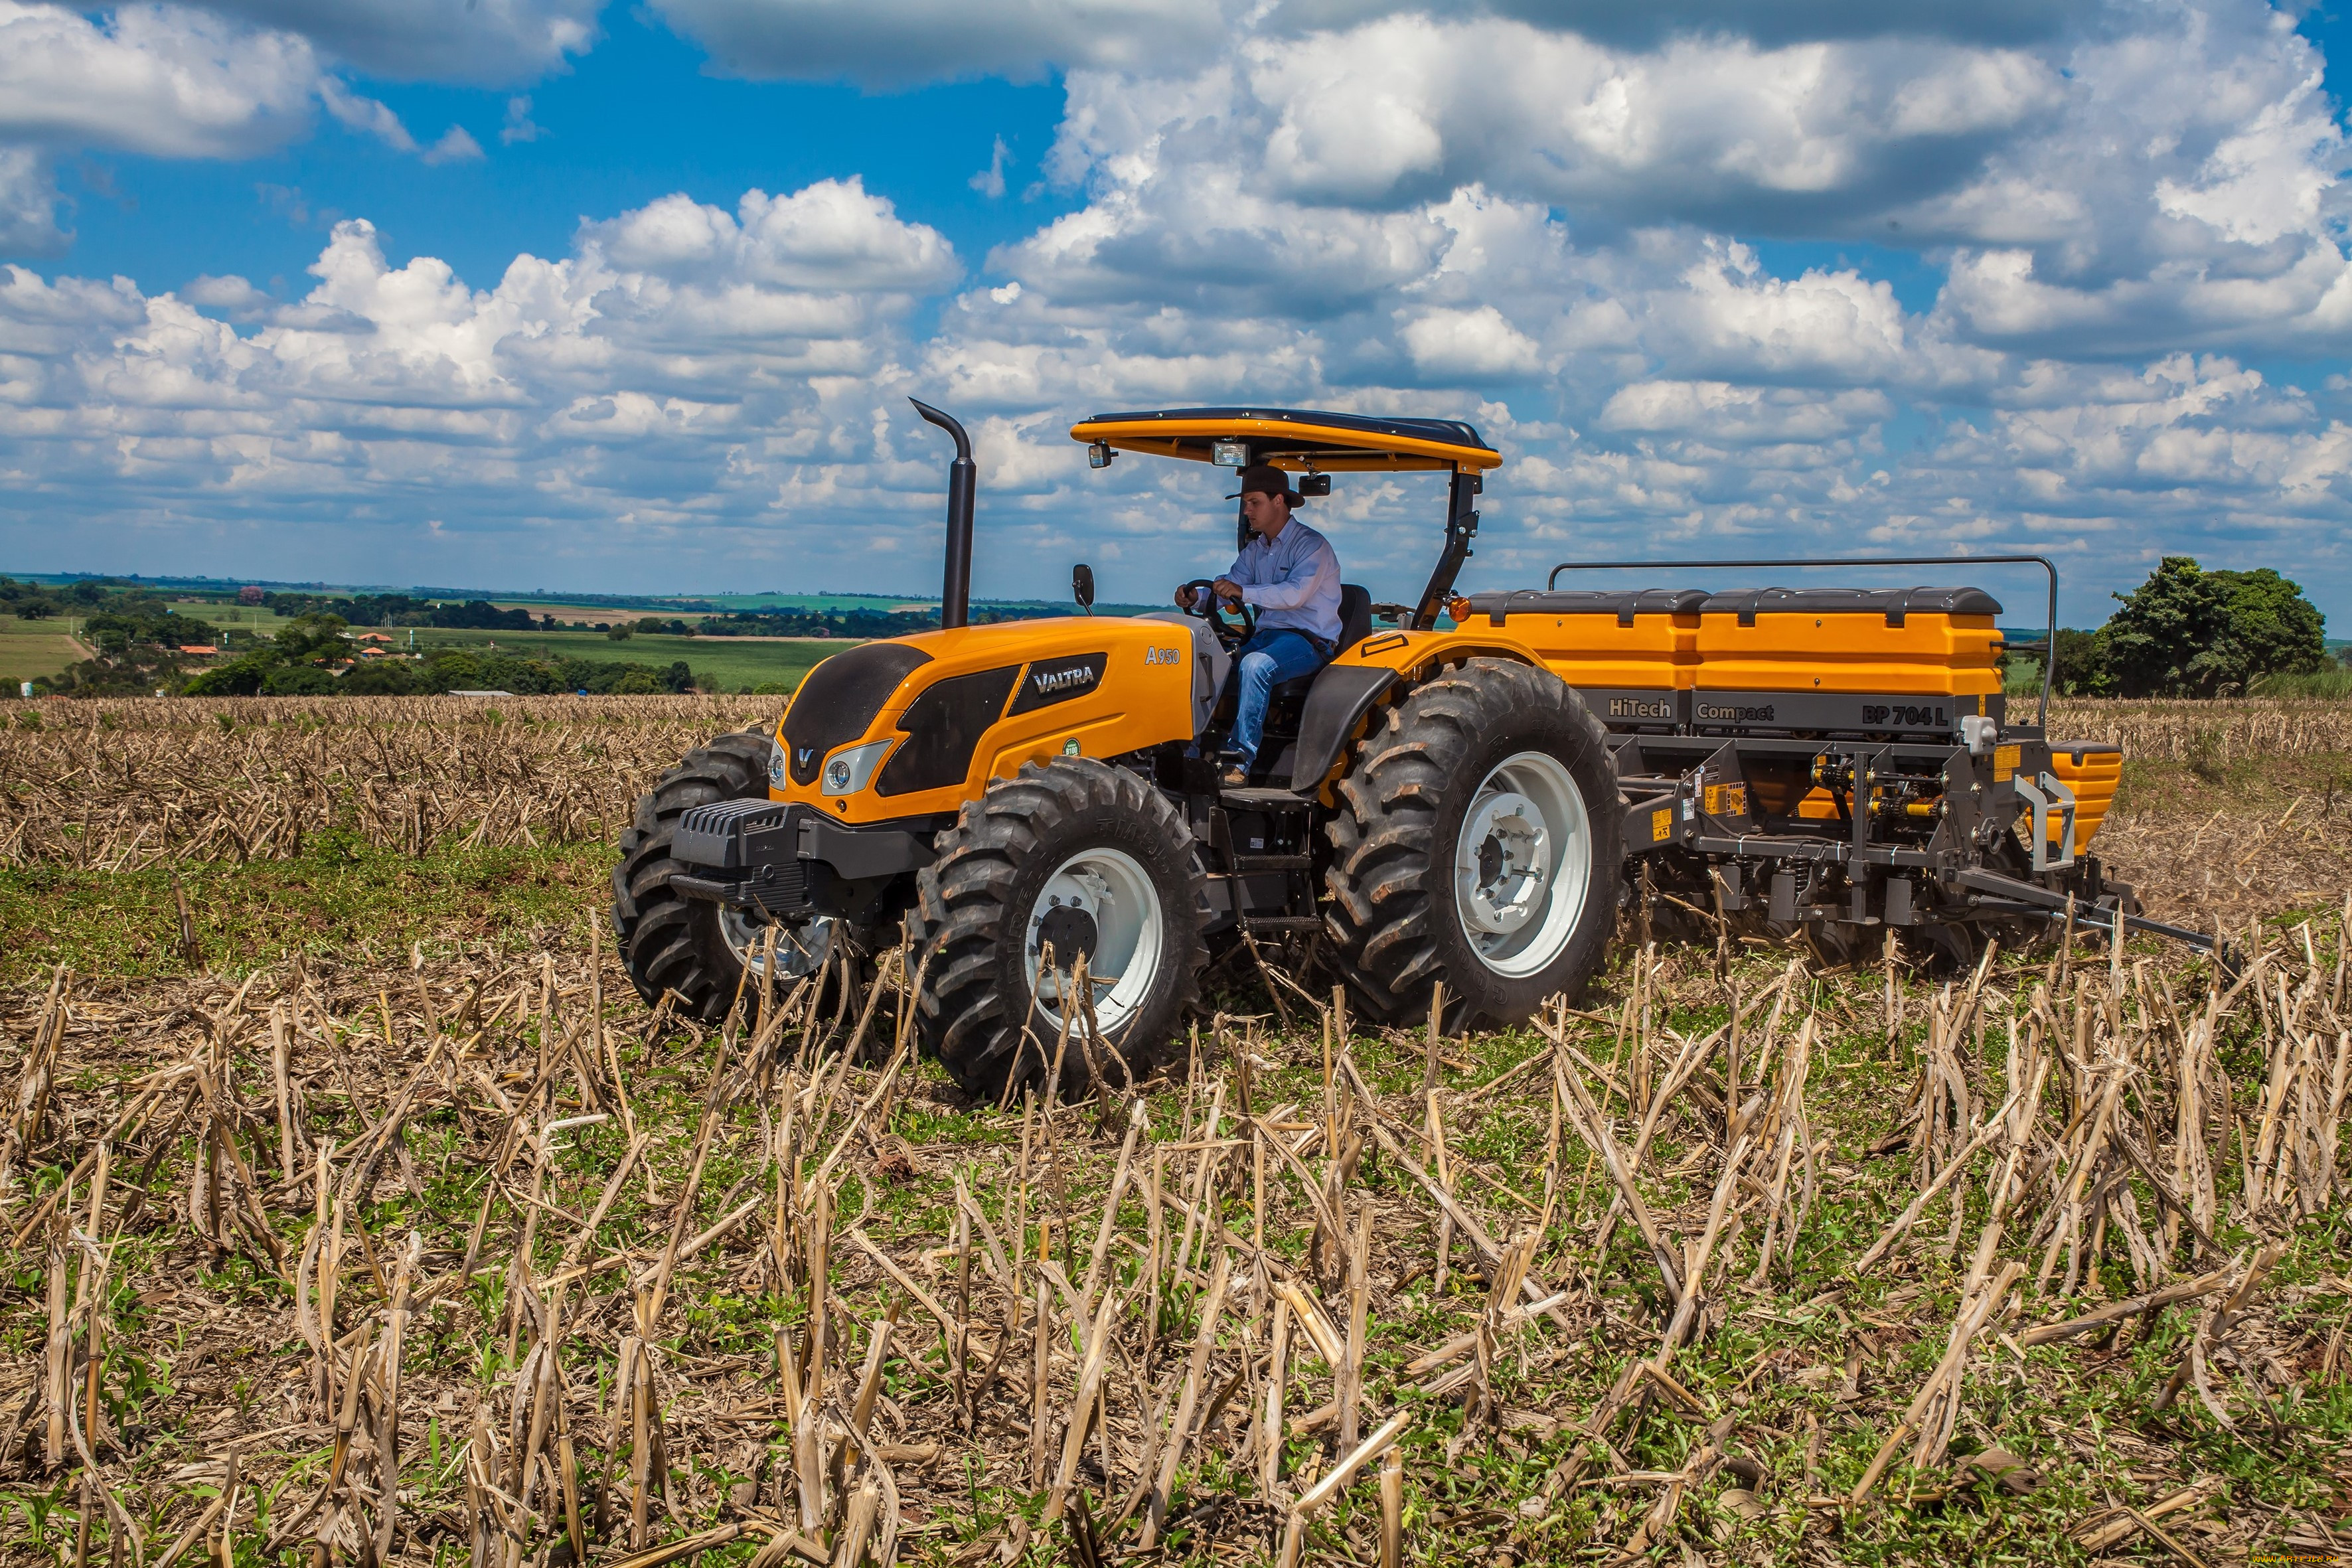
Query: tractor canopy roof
[(1299, 440)]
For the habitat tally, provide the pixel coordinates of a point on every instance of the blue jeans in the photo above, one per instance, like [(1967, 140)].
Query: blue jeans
[(1269, 658)]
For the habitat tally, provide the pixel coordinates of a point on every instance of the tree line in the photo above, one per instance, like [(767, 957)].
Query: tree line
[(479, 615), (300, 661), (404, 610), (137, 641)]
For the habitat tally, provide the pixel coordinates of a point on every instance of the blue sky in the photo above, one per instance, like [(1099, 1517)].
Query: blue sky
[(638, 116), (552, 293)]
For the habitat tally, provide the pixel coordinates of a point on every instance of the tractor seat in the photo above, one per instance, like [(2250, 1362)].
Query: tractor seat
[(1355, 626)]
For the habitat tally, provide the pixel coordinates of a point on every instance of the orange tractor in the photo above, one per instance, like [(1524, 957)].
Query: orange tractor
[(1455, 797)]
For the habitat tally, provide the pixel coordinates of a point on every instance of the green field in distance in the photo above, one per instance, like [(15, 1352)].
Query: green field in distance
[(734, 662)]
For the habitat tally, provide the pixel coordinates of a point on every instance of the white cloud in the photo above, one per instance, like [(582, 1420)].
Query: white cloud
[(176, 82), (490, 42), (990, 181), (830, 235), (1722, 415), (28, 204), (231, 293), (900, 42), (1466, 346), (162, 80), (519, 126), (367, 116), (1711, 127), (1775, 21), (1836, 326), (2267, 181), (456, 146)]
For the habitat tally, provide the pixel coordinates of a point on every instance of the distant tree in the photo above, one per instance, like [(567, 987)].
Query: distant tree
[(2187, 632), (29, 600), (2279, 630), (306, 638), (2084, 668), (380, 677), (481, 616), (2163, 642), (452, 669), (237, 678), (298, 680)]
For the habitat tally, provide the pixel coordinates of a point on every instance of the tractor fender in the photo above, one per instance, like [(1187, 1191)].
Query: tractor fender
[(1342, 694), (1347, 691)]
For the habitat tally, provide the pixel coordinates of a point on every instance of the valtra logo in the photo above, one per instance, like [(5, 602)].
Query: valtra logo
[(1053, 680)]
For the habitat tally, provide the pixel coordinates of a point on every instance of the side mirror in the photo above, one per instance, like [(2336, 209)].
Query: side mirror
[(1313, 484), (1082, 586)]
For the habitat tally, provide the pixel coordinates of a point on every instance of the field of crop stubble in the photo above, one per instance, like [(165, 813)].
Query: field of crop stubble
[(355, 1210)]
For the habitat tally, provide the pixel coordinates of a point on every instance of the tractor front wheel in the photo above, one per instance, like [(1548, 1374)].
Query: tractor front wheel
[(699, 949), (1082, 858), (1477, 842)]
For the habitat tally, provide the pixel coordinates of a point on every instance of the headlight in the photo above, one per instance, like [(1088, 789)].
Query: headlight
[(776, 763), (846, 772)]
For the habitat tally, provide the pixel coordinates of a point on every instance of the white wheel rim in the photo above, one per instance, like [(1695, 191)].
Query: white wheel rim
[(1523, 864), (800, 948), (1108, 891)]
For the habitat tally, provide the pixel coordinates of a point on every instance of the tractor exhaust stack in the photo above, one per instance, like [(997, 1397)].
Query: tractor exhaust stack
[(955, 590)]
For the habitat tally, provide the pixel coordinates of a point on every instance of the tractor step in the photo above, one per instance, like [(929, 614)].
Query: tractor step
[(1281, 923), (1263, 800), (1245, 863)]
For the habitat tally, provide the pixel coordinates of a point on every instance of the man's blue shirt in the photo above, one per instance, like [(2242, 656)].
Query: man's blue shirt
[(1293, 583)]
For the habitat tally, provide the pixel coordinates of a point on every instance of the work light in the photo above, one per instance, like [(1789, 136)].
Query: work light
[(1098, 455), (1230, 454)]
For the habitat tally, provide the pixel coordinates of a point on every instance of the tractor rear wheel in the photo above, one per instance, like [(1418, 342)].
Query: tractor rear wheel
[(1477, 842), (1092, 860), (699, 949)]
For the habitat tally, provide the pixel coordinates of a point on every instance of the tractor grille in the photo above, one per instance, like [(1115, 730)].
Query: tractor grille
[(839, 699)]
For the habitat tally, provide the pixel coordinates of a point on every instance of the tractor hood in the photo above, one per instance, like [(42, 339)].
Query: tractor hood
[(921, 723)]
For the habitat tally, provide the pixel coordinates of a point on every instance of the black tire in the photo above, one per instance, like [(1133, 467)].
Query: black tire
[(667, 942), (1392, 912), (974, 910)]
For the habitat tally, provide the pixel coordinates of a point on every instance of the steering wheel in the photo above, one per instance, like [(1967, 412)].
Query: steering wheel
[(1229, 635)]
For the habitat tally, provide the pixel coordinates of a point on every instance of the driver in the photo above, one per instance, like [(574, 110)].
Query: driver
[(1288, 574)]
